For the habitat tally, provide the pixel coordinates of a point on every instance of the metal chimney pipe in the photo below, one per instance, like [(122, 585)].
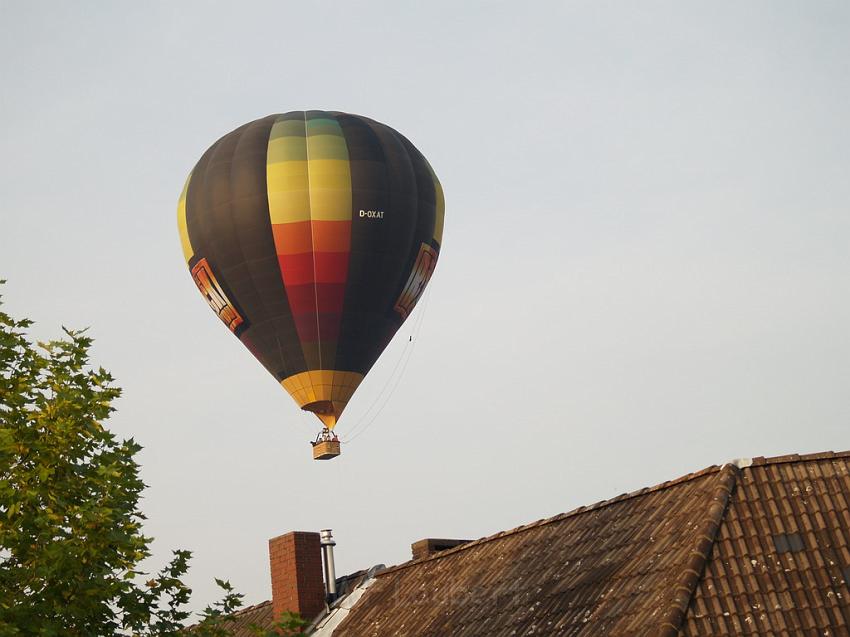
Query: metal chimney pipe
[(328, 544)]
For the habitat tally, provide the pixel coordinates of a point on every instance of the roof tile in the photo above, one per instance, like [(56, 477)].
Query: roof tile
[(791, 511)]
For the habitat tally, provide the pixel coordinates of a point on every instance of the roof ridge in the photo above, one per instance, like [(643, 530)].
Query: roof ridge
[(796, 457), (557, 518), (694, 567)]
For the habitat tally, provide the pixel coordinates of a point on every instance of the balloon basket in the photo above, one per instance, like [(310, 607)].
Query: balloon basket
[(326, 450)]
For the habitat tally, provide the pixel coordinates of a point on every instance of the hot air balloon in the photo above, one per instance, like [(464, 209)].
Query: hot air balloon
[(312, 236)]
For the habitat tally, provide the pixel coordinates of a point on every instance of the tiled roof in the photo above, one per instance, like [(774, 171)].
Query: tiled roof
[(761, 549), (781, 563), (259, 615)]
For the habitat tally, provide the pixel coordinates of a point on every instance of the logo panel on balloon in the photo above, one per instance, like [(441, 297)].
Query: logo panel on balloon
[(209, 286), (426, 261)]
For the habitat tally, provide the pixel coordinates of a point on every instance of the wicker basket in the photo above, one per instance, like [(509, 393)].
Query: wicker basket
[(326, 449)]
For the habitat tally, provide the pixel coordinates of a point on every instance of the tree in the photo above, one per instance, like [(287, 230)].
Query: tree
[(71, 539)]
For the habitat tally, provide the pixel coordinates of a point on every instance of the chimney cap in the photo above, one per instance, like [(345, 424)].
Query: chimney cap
[(327, 537)]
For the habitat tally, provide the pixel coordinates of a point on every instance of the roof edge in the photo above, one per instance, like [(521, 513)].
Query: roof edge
[(686, 584), (248, 609), (556, 518), (739, 464)]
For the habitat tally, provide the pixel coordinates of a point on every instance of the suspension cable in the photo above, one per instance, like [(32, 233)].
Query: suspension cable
[(411, 344)]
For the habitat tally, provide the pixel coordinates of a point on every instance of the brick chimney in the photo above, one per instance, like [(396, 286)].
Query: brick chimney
[(430, 545), (296, 568)]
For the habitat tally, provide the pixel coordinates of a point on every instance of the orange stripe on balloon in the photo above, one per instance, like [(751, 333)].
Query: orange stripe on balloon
[(306, 236), (331, 236), (292, 238)]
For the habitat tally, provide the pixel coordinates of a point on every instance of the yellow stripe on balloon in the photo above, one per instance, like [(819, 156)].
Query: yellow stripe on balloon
[(188, 252), (329, 389), (329, 170), (287, 180), (439, 206)]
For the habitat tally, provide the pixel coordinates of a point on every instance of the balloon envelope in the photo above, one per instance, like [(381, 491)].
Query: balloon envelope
[(312, 236)]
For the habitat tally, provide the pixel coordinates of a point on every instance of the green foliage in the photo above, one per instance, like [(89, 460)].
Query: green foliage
[(286, 625), (71, 539)]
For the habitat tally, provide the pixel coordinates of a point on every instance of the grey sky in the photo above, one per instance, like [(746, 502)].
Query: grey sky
[(645, 268)]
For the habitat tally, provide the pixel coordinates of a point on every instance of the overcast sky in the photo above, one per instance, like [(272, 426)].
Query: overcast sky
[(645, 268)]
